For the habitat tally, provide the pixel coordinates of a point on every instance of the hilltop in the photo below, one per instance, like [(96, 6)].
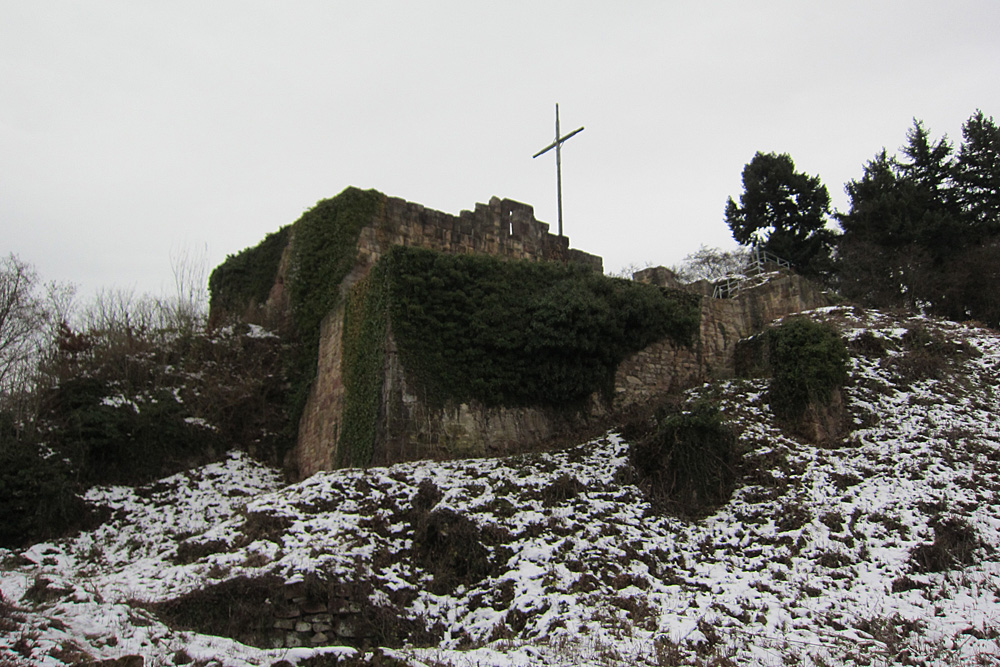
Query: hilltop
[(877, 549)]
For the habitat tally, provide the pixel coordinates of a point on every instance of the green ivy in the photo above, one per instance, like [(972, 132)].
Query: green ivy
[(809, 361), (324, 250), (365, 328), (519, 333), (246, 278)]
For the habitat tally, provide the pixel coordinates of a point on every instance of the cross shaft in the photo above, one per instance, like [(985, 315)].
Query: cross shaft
[(557, 144)]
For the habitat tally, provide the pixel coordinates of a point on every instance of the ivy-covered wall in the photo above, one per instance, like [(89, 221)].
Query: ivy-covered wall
[(365, 335), (246, 278), (501, 334), (324, 249), (516, 333)]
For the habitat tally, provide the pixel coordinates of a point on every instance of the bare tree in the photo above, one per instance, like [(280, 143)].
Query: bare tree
[(22, 321), (191, 284), (30, 315), (628, 271), (711, 264)]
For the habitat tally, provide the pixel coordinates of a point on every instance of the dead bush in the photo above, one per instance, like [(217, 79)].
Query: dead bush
[(894, 631), (428, 495), (955, 544), (689, 465), (929, 355), (867, 344), (191, 550), (563, 488), (263, 526), (450, 546), (10, 616)]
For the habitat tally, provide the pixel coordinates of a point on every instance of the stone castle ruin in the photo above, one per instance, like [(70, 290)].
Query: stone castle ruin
[(407, 427)]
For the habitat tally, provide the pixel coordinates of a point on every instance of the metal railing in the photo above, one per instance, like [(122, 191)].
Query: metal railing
[(757, 262)]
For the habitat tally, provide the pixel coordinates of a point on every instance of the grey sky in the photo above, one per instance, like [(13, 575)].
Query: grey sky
[(130, 130)]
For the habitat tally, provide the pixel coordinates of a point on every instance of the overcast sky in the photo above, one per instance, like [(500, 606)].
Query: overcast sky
[(131, 131)]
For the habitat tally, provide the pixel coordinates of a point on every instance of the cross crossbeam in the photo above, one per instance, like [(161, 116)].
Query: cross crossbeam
[(557, 144)]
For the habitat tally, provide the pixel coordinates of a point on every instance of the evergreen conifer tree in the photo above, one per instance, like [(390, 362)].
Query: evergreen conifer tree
[(977, 173), (783, 212)]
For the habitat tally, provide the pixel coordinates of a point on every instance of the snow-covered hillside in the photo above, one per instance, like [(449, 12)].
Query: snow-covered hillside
[(881, 551)]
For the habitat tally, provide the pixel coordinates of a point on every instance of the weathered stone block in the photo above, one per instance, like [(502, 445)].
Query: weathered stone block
[(345, 629), (313, 607), (345, 607)]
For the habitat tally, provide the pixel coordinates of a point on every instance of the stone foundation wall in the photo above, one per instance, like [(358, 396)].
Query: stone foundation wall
[(301, 621)]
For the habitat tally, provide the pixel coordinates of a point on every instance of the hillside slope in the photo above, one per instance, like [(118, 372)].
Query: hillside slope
[(882, 551)]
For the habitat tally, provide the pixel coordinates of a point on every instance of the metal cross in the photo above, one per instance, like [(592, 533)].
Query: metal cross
[(557, 144)]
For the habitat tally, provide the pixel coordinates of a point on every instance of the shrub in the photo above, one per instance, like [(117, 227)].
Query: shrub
[(112, 438), (451, 547), (131, 407), (38, 496), (689, 463), (809, 362)]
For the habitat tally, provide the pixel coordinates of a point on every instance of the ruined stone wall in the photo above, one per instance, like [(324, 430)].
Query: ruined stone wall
[(664, 366), (725, 321), (300, 619), (659, 369), (409, 429), (502, 228), (319, 426)]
